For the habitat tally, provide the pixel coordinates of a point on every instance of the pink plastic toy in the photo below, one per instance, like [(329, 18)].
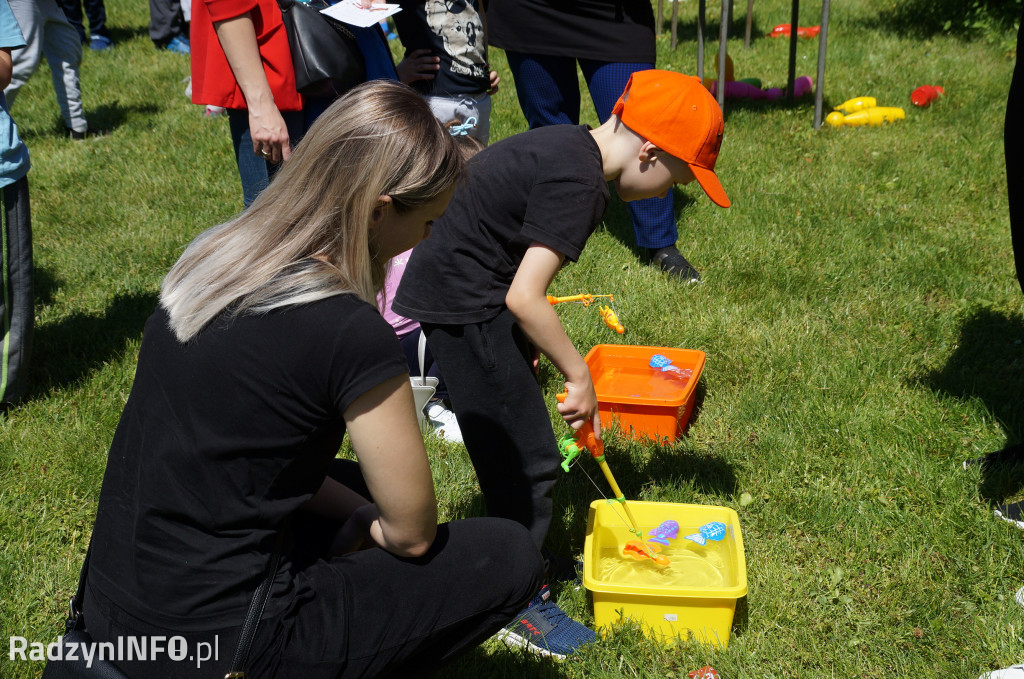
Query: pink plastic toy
[(737, 89)]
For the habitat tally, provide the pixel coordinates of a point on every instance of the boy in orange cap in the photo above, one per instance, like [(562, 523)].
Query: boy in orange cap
[(478, 286)]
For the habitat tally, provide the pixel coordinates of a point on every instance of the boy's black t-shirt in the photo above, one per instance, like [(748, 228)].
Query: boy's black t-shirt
[(221, 439), (453, 31), (546, 185)]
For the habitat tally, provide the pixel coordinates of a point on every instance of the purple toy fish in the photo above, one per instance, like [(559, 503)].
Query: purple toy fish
[(668, 530)]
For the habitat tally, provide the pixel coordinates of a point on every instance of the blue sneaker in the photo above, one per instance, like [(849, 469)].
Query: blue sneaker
[(546, 629), (179, 45), (100, 43)]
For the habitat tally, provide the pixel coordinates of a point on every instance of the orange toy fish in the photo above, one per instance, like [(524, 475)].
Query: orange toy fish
[(641, 550), (610, 319)]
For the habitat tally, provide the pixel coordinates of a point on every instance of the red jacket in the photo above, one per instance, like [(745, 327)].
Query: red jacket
[(212, 80)]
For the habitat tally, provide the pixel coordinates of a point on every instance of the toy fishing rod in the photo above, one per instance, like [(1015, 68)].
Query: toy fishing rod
[(585, 439), (608, 314), (585, 298)]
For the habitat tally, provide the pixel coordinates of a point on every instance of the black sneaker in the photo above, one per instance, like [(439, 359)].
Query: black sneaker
[(89, 132), (672, 262), (1007, 457), (1012, 513)]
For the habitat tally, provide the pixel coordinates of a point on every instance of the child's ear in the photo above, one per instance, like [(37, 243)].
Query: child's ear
[(648, 152), (378, 212)]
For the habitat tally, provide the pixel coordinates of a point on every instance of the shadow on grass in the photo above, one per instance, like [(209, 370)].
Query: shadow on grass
[(988, 364), (124, 34), (45, 283), (107, 117), (66, 351)]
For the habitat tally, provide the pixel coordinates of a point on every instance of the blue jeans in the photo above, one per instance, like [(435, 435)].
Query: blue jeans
[(549, 94), (254, 171)]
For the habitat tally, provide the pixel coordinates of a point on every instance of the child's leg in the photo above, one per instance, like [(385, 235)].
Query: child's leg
[(73, 11), (97, 13), (25, 60), (654, 221), (504, 420), (16, 299), (63, 50), (547, 87)]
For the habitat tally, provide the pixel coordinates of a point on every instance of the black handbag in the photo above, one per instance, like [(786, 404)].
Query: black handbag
[(327, 59), (73, 666)]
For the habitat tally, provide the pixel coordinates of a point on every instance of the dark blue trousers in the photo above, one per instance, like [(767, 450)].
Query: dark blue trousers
[(94, 10), (549, 94)]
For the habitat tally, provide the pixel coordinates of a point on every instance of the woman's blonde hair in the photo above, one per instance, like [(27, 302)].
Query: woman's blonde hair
[(308, 235)]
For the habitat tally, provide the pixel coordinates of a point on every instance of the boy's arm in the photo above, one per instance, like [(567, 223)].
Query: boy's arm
[(527, 300), (6, 67)]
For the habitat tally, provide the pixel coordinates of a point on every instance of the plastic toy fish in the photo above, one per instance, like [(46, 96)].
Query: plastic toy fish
[(926, 94), (857, 104), (639, 551), (610, 319), (668, 530), (664, 364), (873, 117), (714, 531), (784, 30)]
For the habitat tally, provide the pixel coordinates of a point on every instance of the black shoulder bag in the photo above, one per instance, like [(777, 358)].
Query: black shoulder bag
[(327, 60), (75, 634)]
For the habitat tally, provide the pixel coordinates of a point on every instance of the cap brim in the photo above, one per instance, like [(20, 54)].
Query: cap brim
[(709, 182)]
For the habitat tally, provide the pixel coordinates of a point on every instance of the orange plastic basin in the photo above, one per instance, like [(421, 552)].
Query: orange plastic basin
[(646, 403)]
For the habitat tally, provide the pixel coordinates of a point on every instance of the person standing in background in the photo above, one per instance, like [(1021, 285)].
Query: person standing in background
[(48, 33)]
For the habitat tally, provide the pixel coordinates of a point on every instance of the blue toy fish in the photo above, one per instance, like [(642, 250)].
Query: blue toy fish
[(663, 364), (710, 531), (668, 530)]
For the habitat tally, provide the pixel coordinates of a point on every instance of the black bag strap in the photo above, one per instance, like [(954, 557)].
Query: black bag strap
[(252, 617), (249, 624)]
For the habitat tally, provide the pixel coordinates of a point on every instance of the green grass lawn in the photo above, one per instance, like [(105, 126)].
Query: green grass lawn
[(860, 315)]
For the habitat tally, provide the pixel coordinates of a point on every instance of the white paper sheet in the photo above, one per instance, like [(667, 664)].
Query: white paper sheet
[(349, 12)]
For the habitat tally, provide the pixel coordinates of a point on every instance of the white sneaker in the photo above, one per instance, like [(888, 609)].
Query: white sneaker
[(1014, 672), (444, 423), (1019, 597)]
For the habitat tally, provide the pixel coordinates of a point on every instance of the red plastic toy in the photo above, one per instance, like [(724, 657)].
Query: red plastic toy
[(926, 94), (706, 672), (783, 31)]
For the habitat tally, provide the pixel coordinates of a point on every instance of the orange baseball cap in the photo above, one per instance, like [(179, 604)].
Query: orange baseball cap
[(676, 113)]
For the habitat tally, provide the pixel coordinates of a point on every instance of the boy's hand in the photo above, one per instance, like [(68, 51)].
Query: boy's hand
[(580, 405), (495, 79), (418, 65)]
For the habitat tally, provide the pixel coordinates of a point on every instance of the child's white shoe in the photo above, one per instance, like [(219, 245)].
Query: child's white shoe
[(443, 422)]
